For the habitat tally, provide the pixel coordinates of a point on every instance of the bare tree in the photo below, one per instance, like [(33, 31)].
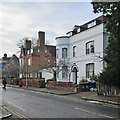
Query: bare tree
[(64, 66), (11, 71), (56, 69), (21, 42)]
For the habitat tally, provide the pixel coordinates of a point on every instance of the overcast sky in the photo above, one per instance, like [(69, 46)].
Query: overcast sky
[(19, 20)]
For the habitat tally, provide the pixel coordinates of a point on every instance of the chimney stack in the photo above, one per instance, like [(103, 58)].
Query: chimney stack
[(28, 44), (5, 57), (41, 38)]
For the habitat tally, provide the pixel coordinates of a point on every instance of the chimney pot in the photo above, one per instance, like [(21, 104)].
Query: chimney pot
[(41, 38), (28, 44)]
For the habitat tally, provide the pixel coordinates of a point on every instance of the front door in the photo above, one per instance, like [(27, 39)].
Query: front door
[(75, 75)]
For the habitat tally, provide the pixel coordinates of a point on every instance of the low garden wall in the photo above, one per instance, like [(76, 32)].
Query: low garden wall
[(31, 82), (34, 82), (63, 86), (60, 84)]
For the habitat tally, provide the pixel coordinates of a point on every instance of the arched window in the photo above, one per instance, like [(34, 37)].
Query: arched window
[(89, 47), (64, 53)]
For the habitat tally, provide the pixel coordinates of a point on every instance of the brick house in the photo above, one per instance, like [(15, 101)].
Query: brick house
[(4, 60), (37, 58), (10, 66)]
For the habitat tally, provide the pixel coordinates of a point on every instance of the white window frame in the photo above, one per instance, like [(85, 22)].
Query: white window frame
[(91, 24), (78, 30), (90, 48), (38, 50), (28, 52), (29, 61), (21, 62), (31, 51), (48, 61), (74, 51), (64, 72), (90, 67), (64, 53), (45, 51)]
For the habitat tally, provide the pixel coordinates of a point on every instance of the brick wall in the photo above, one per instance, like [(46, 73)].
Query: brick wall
[(60, 84), (34, 82)]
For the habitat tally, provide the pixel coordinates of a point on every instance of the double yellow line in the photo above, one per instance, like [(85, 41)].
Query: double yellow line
[(16, 113)]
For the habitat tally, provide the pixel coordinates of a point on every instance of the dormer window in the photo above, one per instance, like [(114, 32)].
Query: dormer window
[(70, 33), (78, 30), (91, 24)]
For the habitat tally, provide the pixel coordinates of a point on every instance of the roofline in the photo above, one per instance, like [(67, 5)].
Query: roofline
[(103, 21), (92, 20), (51, 45), (62, 37)]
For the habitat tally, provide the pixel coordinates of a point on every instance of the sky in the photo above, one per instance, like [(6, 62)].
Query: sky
[(26, 19)]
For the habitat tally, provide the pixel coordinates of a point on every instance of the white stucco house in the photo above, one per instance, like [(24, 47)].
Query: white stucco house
[(79, 54)]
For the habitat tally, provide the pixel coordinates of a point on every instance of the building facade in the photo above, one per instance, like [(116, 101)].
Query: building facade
[(79, 54), (4, 60), (10, 66), (33, 60)]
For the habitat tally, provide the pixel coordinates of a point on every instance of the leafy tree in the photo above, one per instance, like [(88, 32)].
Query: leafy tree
[(111, 11)]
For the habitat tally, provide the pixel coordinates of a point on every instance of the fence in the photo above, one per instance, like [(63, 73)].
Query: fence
[(108, 90)]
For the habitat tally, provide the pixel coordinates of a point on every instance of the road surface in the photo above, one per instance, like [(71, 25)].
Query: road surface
[(29, 104)]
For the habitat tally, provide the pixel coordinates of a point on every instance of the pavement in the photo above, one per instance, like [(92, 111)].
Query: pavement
[(4, 114), (88, 96)]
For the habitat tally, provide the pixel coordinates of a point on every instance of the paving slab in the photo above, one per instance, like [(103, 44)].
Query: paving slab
[(4, 113), (45, 90), (52, 91), (92, 96)]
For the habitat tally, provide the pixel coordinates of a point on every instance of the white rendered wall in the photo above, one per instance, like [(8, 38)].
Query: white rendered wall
[(79, 40), (47, 75), (62, 42)]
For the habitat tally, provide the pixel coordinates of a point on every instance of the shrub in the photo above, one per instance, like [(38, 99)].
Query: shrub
[(52, 79), (94, 77), (84, 81), (16, 81), (75, 85)]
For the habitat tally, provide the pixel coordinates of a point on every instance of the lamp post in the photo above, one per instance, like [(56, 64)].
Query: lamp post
[(26, 68)]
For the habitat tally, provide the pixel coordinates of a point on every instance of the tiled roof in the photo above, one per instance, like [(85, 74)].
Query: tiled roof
[(52, 49)]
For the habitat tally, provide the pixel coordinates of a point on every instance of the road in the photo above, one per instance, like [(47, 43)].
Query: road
[(29, 104)]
